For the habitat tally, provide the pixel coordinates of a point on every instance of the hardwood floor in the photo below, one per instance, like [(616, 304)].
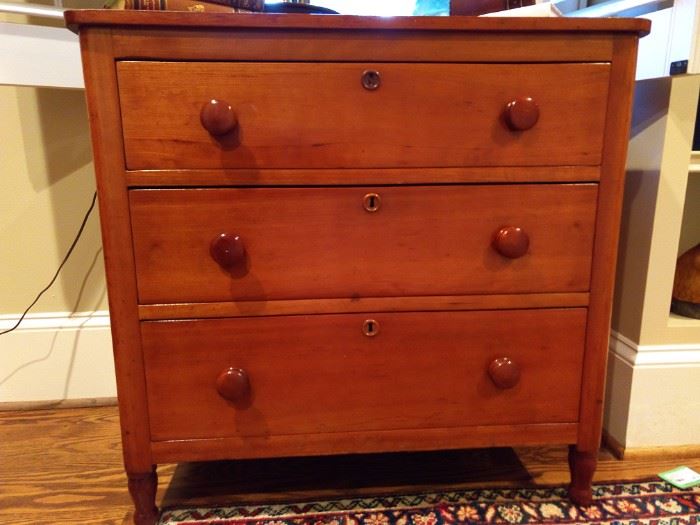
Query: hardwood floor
[(64, 466)]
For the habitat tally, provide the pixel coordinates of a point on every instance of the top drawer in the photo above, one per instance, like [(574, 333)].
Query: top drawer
[(321, 115)]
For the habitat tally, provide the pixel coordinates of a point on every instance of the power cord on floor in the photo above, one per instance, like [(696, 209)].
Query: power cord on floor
[(60, 267)]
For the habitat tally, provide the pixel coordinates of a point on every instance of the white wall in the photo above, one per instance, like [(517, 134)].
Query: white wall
[(46, 186)]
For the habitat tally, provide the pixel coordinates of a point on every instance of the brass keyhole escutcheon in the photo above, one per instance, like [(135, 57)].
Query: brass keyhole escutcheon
[(371, 202), (370, 327), (371, 79)]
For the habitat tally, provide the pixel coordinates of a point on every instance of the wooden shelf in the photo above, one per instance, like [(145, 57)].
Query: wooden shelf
[(660, 214), (679, 321)]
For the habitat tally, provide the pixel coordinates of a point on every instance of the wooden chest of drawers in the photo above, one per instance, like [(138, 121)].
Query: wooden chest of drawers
[(341, 235)]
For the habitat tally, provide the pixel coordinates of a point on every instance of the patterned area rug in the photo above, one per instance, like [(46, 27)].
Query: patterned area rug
[(648, 503)]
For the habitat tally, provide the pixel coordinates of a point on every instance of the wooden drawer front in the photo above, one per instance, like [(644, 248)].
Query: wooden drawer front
[(318, 374), (320, 115), (322, 243)]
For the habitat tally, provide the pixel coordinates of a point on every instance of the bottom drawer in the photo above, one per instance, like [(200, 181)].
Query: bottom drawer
[(358, 372)]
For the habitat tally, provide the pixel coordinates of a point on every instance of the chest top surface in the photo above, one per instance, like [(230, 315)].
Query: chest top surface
[(77, 19)]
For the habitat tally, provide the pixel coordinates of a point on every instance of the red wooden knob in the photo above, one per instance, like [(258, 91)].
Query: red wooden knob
[(227, 250), (218, 117), (233, 384), (522, 113), (504, 372), (511, 242)]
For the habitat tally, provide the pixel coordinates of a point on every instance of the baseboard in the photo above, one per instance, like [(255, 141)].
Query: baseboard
[(52, 358), (649, 356), (653, 453), (616, 448), (653, 397), (12, 406)]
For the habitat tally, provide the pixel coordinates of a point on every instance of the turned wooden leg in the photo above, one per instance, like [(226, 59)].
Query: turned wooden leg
[(142, 488), (582, 466)]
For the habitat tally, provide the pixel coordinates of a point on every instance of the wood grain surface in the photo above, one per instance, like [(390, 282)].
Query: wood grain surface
[(295, 86), (65, 467), (326, 177), (606, 242), (307, 243), (321, 374), (97, 17), (318, 115), (107, 147), (342, 45), (103, 108), (367, 304)]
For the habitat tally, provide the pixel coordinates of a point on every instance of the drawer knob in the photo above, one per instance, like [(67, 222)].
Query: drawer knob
[(511, 242), (233, 384), (522, 113), (218, 117), (227, 250), (504, 372)]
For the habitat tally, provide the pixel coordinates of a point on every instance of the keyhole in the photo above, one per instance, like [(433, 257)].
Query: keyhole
[(370, 328), (372, 202), (371, 79)]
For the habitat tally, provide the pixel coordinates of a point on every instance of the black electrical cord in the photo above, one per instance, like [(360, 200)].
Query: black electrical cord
[(60, 267)]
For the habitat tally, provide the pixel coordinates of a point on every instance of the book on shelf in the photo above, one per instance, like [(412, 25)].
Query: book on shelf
[(208, 6), (481, 7)]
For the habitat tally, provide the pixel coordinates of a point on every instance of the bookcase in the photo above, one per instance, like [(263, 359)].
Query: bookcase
[(652, 396)]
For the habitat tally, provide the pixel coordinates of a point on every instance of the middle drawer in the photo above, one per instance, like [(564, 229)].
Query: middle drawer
[(209, 245)]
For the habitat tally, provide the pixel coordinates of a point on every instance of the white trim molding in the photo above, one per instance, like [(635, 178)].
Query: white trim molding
[(653, 396), (56, 321), (641, 356), (41, 56), (56, 357), (31, 9)]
